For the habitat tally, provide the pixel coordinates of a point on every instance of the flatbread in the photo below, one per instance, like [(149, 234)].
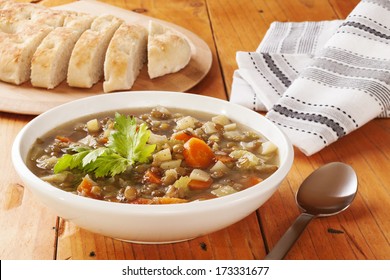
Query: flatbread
[(168, 50)]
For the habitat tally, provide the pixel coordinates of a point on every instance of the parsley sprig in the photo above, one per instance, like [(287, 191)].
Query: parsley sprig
[(127, 146)]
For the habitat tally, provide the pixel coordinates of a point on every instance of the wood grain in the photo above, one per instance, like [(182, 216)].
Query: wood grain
[(27, 227)]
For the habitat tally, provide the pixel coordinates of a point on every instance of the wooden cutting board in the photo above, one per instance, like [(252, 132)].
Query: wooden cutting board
[(25, 99)]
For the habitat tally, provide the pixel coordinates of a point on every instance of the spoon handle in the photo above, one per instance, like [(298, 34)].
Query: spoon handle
[(288, 239)]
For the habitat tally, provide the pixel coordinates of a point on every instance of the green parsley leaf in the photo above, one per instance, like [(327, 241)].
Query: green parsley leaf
[(140, 151), (108, 164), (127, 145), (70, 161), (93, 155), (121, 139), (130, 141)]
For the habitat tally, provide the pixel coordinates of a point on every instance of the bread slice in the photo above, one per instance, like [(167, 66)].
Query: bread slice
[(49, 65), (78, 21), (16, 51), (6, 4), (125, 56), (23, 27), (168, 50), (15, 16), (87, 59)]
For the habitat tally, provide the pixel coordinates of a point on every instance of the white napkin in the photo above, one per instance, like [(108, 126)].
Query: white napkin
[(320, 81)]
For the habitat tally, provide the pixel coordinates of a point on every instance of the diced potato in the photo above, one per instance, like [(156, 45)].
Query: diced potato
[(214, 138), (248, 145), (233, 135), (209, 128), (171, 164), (186, 122), (215, 147), (245, 159), (93, 126), (268, 147), (172, 191), (46, 162), (163, 110), (224, 190), (163, 155), (219, 166), (182, 182), (169, 177), (157, 139), (107, 132), (200, 175), (56, 178), (230, 127), (88, 140), (221, 119)]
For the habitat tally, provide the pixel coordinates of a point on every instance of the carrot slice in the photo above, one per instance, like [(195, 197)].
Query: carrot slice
[(197, 153), (63, 139), (251, 181), (103, 140), (141, 200), (182, 136), (200, 185), (85, 188), (152, 177), (168, 200)]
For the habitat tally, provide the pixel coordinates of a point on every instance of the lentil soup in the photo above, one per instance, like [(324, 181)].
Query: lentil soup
[(153, 156)]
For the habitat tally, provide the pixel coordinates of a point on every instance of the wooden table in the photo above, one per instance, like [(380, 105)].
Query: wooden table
[(29, 230)]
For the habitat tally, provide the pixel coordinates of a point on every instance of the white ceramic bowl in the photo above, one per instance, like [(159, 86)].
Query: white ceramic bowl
[(150, 223)]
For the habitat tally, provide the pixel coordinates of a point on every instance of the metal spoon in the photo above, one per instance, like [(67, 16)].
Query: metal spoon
[(327, 191)]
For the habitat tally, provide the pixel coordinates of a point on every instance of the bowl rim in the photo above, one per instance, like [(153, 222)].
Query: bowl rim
[(160, 209)]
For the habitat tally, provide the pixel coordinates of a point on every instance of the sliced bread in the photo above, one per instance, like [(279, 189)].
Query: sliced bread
[(15, 16), (22, 28), (125, 56), (4, 3), (49, 65), (168, 50), (16, 51), (87, 59)]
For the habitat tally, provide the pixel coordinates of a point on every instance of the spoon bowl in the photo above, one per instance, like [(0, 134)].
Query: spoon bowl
[(325, 192), (328, 190)]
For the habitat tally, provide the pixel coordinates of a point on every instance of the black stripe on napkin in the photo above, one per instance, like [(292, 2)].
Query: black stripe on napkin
[(317, 118)]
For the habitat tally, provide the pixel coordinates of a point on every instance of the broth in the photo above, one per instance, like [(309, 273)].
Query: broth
[(153, 156)]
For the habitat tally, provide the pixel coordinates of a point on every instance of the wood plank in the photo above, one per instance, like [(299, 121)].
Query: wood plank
[(24, 222), (239, 241)]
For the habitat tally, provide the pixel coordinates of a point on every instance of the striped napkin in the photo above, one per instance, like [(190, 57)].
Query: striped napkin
[(319, 81)]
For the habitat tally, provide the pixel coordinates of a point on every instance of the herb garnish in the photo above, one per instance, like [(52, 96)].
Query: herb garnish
[(127, 145)]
